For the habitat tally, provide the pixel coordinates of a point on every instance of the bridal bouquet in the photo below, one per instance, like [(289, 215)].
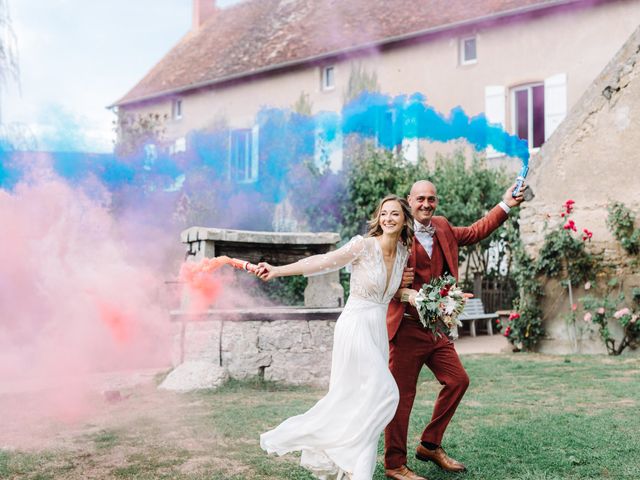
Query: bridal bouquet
[(439, 303)]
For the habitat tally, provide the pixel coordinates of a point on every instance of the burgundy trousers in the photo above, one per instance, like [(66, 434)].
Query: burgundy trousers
[(411, 348)]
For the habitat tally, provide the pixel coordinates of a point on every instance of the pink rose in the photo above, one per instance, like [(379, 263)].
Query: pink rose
[(634, 317), (587, 285), (621, 313), (600, 310), (587, 317)]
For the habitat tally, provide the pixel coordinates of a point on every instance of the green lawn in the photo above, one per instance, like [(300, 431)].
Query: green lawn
[(524, 417)]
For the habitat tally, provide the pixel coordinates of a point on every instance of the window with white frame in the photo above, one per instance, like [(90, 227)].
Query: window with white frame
[(388, 130), (328, 77), (328, 150), (537, 109), (243, 155), (468, 51), (176, 109), (528, 113)]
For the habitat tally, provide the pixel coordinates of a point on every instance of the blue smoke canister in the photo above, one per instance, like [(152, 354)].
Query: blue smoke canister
[(520, 180)]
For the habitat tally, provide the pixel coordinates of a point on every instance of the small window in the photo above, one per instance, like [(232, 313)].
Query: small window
[(177, 109), (468, 51), (180, 145), (150, 154), (328, 78), (528, 113), (243, 155)]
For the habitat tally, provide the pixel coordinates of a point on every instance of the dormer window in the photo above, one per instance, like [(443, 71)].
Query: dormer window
[(176, 109), (328, 78)]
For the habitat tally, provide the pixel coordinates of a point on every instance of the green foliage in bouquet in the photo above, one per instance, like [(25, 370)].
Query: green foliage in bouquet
[(439, 303)]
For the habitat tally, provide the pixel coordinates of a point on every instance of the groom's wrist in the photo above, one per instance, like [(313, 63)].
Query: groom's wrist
[(504, 206)]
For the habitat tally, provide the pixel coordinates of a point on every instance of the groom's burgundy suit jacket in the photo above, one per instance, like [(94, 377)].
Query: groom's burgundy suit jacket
[(447, 238)]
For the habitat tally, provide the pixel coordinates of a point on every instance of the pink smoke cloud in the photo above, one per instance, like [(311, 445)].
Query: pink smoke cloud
[(75, 299)]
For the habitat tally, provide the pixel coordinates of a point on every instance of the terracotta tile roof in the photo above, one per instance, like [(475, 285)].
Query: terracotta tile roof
[(259, 35)]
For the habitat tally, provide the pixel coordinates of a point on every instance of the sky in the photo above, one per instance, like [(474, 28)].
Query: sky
[(78, 56)]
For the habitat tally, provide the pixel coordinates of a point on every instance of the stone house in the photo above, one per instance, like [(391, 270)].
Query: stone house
[(592, 159), (524, 63)]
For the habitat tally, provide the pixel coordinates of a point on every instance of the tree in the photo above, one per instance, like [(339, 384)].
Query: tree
[(9, 67), (468, 189), (134, 132), (360, 80)]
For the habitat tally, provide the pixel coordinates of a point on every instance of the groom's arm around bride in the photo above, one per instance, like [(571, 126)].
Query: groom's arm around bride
[(434, 253)]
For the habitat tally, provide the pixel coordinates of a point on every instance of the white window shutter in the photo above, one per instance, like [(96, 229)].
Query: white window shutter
[(255, 152), (180, 145), (410, 149), (319, 147), (328, 153), (336, 155), (495, 109), (555, 102), (230, 166)]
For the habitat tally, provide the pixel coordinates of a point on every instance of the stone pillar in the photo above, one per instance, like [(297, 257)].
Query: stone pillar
[(324, 291), (200, 357)]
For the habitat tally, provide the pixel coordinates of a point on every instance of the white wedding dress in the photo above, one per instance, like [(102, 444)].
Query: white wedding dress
[(339, 434)]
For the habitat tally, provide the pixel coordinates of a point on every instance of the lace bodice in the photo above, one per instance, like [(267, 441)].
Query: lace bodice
[(368, 270)]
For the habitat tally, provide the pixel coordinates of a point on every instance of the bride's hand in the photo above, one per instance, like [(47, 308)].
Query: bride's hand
[(266, 272), (412, 297), (408, 295)]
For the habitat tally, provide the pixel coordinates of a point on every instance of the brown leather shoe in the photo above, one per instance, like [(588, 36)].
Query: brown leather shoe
[(440, 458), (402, 473)]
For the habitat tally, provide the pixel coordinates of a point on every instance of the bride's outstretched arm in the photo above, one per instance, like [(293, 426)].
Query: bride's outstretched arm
[(316, 264)]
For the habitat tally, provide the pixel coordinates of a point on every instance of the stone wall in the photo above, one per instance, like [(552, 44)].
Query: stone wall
[(287, 345), (593, 158)]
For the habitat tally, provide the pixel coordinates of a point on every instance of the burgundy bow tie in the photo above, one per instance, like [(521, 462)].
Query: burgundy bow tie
[(430, 229)]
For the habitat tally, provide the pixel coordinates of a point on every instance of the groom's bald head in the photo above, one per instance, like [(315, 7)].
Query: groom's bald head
[(423, 200), (421, 185)]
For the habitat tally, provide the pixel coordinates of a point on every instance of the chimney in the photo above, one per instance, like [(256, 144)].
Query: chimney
[(202, 11)]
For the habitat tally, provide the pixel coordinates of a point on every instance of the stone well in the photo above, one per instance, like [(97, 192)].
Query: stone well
[(287, 344)]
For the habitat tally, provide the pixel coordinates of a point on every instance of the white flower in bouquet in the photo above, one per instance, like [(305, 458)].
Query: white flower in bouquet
[(439, 303)]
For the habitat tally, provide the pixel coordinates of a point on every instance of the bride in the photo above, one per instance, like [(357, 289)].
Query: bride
[(339, 435)]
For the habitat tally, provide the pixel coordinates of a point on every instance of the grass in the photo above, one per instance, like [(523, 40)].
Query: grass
[(524, 417)]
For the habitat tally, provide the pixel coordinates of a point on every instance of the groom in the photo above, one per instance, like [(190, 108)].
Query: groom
[(434, 252)]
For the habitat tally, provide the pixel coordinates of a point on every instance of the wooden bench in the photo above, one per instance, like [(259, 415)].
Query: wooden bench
[(474, 310)]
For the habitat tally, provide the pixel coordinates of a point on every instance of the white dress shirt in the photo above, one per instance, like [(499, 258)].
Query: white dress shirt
[(426, 239)]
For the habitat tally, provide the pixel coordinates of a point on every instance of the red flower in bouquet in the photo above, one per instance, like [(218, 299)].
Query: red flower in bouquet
[(507, 331), (587, 235), (439, 303), (514, 316), (570, 225)]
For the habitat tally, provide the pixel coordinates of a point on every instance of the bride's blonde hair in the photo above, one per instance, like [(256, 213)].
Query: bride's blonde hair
[(375, 230)]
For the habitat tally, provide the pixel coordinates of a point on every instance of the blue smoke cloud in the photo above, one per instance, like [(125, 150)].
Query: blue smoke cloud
[(248, 172), (392, 119)]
